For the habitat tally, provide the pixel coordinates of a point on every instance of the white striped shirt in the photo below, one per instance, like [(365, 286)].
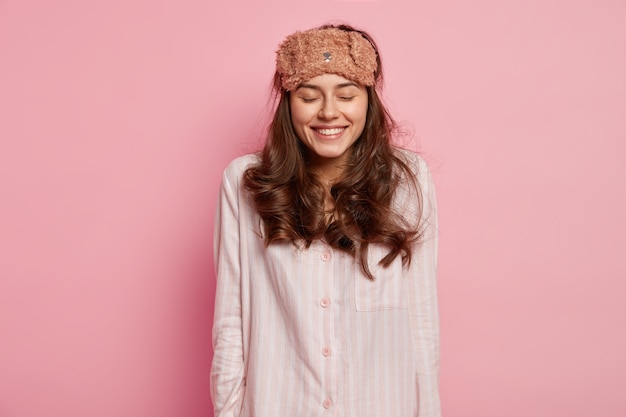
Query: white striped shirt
[(304, 333)]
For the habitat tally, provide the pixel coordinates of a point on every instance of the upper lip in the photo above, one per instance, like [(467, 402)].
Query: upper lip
[(328, 127)]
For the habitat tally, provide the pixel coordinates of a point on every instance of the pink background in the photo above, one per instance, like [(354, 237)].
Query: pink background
[(117, 118)]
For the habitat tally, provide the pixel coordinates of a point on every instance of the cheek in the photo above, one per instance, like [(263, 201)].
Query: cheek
[(359, 114), (358, 109), (298, 122), (298, 115)]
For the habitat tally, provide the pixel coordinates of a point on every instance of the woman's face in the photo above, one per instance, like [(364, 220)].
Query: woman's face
[(328, 113)]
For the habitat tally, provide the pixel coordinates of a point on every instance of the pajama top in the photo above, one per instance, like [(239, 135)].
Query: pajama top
[(302, 332)]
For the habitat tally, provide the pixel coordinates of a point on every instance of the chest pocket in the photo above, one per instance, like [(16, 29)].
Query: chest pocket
[(388, 291)]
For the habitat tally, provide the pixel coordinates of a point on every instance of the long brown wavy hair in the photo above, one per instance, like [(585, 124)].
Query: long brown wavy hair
[(289, 197)]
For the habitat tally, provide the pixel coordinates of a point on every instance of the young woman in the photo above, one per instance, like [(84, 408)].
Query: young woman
[(326, 251)]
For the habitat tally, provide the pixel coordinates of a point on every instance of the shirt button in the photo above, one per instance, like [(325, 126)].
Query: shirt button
[(324, 302), (325, 256), (327, 403), (326, 351)]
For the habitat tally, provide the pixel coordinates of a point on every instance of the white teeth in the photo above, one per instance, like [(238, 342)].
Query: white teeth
[(332, 131)]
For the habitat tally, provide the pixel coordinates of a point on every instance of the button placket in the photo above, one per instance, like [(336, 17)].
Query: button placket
[(325, 256)]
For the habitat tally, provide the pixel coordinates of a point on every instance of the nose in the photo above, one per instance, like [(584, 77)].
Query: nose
[(328, 110)]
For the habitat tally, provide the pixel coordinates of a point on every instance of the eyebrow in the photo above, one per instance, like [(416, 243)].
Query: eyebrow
[(316, 87)]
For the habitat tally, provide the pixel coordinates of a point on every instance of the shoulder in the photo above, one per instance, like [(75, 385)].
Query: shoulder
[(416, 163), (415, 196), (235, 169)]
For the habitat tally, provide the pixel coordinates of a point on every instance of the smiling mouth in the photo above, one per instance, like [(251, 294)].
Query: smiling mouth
[(331, 131)]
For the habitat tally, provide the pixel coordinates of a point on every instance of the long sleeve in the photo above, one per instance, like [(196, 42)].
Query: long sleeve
[(423, 301), (228, 368), (302, 331)]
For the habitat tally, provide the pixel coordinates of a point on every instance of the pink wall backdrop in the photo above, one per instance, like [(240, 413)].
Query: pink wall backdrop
[(117, 118)]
